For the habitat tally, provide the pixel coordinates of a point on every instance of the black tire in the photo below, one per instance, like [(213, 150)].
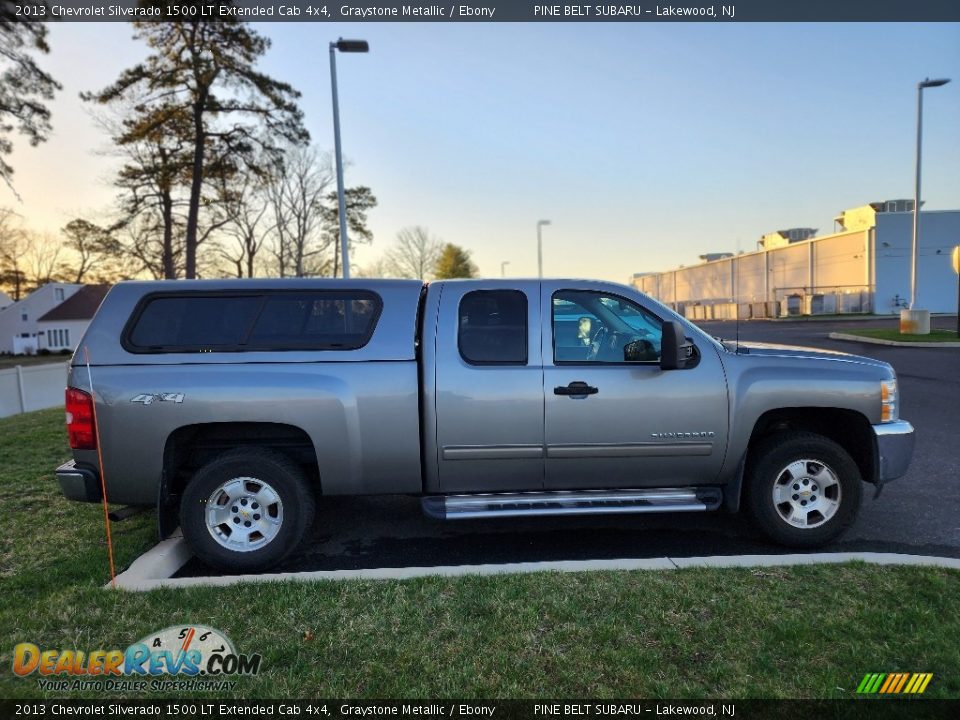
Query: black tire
[(765, 470), (295, 513)]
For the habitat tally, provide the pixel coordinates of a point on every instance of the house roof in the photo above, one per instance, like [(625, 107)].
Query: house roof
[(79, 306)]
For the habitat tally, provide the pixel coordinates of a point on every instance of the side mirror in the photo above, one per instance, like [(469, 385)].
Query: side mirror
[(676, 351)]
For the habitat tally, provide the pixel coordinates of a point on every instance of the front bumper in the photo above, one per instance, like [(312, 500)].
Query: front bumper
[(78, 483), (894, 449)]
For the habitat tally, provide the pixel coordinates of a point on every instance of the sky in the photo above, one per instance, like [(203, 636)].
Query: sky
[(644, 144)]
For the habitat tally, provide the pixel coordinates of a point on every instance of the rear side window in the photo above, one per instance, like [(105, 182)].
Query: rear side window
[(211, 322), (492, 328)]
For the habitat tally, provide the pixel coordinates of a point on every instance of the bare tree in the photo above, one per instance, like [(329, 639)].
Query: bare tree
[(97, 252), (375, 269), (145, 238), (247, 207), (415, 253), (28, 259), (13, 251), (296, 193), (44, 258)]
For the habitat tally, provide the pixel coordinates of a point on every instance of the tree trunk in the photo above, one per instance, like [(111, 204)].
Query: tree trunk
[(169, 269), (196, 185)]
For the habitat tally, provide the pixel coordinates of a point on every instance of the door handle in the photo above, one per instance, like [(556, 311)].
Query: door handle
[(576, 388)]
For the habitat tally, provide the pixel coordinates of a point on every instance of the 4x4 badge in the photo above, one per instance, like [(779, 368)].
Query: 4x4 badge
[(148, 398)]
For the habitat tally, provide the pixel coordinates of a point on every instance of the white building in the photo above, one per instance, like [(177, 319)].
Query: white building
[(864, 267), (62, 327), (18, 321), (4, 300)]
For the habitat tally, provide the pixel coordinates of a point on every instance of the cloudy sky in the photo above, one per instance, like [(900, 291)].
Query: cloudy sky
[(645, 144)]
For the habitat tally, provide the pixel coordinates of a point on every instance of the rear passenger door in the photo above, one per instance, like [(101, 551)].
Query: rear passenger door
[(489, 388)]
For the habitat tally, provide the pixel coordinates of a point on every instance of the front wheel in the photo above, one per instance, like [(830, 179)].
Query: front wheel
[(802, 489), (246, 510)]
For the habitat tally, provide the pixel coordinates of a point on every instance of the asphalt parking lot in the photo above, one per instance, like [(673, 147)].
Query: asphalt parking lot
[(917, 514)]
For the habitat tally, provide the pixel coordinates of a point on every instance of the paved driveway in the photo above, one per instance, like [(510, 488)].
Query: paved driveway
[(919, 513)]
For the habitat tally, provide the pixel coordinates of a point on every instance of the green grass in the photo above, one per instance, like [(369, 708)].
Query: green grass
[(799, 632), (894, 334)]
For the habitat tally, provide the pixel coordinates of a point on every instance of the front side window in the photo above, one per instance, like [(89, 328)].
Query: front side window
[(492, 327), (333, 320), (591, 327)]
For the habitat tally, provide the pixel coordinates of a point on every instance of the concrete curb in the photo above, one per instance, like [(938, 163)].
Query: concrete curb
[(895, 343), (153, 569), (158, 563)]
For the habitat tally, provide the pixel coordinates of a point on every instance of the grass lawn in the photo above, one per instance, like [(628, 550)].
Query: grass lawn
[(799, 632), (894, 334)]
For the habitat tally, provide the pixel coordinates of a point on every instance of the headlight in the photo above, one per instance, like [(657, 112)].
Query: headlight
[(890, 401)]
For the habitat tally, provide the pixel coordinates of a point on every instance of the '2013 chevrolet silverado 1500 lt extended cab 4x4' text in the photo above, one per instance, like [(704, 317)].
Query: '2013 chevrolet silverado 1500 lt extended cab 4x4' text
[(234, 406)]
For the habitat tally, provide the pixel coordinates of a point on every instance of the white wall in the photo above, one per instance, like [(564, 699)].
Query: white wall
[(832, 264), (36, 304), (936, 280), (76, 330), (32, 387)]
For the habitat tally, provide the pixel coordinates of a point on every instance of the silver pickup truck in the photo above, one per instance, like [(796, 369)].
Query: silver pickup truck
[(234, 406)]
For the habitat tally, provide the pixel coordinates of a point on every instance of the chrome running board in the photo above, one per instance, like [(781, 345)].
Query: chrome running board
[(591, 502)]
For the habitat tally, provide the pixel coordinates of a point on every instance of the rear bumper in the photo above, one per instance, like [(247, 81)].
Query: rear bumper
[(894, 449), (78, 483)]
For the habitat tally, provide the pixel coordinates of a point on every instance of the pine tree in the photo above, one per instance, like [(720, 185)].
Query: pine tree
[(454, 262), (204, 72), (24, 87)]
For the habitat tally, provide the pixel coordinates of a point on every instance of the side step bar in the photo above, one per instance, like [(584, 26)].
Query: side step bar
[(594, 502)]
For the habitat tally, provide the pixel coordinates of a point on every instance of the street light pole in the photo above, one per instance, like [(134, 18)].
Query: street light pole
[(540, 224), (343, 46), (503, 268), (928, 83)]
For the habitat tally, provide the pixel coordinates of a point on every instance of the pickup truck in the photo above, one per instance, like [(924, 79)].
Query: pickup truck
[(234, 406)]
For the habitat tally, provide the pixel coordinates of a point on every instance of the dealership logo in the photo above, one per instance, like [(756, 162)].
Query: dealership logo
[(179, 651), (894, 683)]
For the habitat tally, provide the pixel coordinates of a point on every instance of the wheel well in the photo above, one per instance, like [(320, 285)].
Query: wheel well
[(848, 428), (191, 447)]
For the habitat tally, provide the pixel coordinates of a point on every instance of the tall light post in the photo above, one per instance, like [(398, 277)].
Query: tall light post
[(354, 46), (503, 268), (914, 320), (540, 224)]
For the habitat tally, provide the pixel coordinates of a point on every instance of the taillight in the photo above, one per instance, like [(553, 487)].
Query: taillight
[(80, 420)]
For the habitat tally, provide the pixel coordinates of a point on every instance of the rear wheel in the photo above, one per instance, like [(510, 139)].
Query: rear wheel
[(246, 510), (803, 489)]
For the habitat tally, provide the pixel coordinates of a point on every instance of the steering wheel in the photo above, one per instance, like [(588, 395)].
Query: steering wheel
[(597, 342)]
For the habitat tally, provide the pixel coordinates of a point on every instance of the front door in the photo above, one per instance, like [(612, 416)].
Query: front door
[(489, 388), (610, 423)]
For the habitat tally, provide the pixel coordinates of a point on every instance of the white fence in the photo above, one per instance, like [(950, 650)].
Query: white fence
[(32, 387)]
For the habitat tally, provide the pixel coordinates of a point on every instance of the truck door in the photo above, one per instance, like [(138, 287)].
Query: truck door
[(611, 423), (489, 388)]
